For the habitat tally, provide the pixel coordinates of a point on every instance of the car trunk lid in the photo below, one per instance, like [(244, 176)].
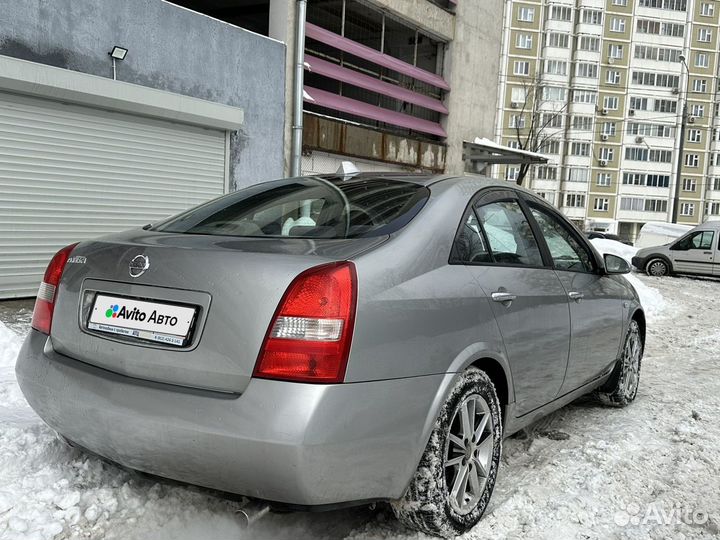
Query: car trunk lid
[(229, 286)]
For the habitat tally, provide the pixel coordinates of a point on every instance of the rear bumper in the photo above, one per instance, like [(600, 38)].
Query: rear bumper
[(299, 444)]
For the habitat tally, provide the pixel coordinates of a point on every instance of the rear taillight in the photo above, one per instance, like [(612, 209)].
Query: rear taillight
[(47, 293), (309, 337)]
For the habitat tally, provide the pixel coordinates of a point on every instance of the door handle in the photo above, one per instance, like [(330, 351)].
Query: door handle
[(577, 296), (503, 297), (707, 252)]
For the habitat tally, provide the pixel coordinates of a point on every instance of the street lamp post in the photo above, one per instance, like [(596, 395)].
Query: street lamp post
[(681, 148)]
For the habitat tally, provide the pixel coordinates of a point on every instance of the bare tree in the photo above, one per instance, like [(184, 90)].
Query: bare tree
[(534, 134)]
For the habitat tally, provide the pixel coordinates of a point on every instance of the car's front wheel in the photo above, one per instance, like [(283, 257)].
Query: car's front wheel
[(620, 390), (456, 476), (657, 267)]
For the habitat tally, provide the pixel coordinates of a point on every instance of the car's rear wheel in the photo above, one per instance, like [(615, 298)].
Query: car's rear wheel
[(657, 267), (456, 476), (621, 389)]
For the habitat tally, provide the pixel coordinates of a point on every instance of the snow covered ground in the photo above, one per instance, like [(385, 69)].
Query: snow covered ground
[(649, 471)]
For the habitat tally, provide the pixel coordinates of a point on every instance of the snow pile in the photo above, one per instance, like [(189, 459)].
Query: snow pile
[(9, 346), (652, 301)]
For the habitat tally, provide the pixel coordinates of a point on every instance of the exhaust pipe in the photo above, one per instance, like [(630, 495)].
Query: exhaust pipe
[(251, 513)]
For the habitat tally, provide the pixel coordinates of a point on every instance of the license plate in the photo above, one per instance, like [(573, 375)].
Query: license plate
[(153, 321)]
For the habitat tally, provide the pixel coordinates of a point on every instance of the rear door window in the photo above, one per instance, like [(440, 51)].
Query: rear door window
[(314, 207), (509, 235)]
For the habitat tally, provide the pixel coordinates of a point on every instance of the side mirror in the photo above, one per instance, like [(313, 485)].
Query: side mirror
[(616, 265)]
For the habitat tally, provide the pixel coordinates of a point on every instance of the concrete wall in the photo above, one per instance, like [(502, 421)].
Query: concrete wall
[(472, 68), (171, 49)]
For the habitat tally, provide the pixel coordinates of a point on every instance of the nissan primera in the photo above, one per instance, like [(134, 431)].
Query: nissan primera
[(333, 340)]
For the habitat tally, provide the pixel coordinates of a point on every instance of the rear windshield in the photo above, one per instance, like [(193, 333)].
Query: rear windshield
[(312, 207)]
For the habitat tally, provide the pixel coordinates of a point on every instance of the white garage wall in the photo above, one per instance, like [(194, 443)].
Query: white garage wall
[(70, 173)]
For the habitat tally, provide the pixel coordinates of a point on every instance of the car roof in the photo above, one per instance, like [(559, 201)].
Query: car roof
[(713, 225), (424, 179)]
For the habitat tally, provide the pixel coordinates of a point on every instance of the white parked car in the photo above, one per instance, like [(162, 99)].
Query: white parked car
[(697, 252)]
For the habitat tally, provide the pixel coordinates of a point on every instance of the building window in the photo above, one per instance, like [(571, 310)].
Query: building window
[(526, 14), (704, 35), (604, 179), (589, 43), (712, 209), (665, 106), (707, 9), (577, 174), (644, 129), (560, 13), (550, 146), (587, 70), (551, 120), (661, 54), (575, 200), (689, 184), (556, 39), (655, 205), (617, 24), (650, 78), (546, 173), (612, 76), (524, 41), (518, 94), (554, 93), (517, 121), (674, 5), (694, 136), (582, 123), (512, 173), (591, 16), (635, 153), (701, 60), (607, 154), (692, 160), (580, 149), (585, 96), (521, 68), (687, 209), (609, 129), (601, 204), (698, 111), (616, 51), (555, 67), (610, 103), (619, 2), (646, 26), (638, 104), (699, 86)]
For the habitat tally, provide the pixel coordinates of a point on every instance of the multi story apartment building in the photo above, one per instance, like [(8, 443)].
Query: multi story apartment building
[(600, 86)]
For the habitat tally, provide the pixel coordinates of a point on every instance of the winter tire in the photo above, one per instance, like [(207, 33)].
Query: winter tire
[(456, 475), (622, 386), (657, 268)]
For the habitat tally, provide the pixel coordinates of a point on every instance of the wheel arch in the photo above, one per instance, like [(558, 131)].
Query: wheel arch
[(639, 316), (660, 256)]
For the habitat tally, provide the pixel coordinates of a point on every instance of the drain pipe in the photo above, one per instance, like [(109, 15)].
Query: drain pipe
[(297, 120)]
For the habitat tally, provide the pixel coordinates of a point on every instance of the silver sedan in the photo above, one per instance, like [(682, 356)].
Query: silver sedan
[(334, 340)]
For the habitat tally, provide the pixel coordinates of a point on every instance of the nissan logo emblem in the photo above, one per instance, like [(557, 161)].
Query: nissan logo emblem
[(139, 265)]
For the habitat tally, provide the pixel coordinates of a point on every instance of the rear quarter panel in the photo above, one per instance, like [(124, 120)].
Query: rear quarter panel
[(417, 315)]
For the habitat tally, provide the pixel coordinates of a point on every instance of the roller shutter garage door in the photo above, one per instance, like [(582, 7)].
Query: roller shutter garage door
[(70, 173)]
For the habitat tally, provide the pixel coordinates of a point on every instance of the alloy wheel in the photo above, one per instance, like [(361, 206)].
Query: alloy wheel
[(631, 360), (468, 453)]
